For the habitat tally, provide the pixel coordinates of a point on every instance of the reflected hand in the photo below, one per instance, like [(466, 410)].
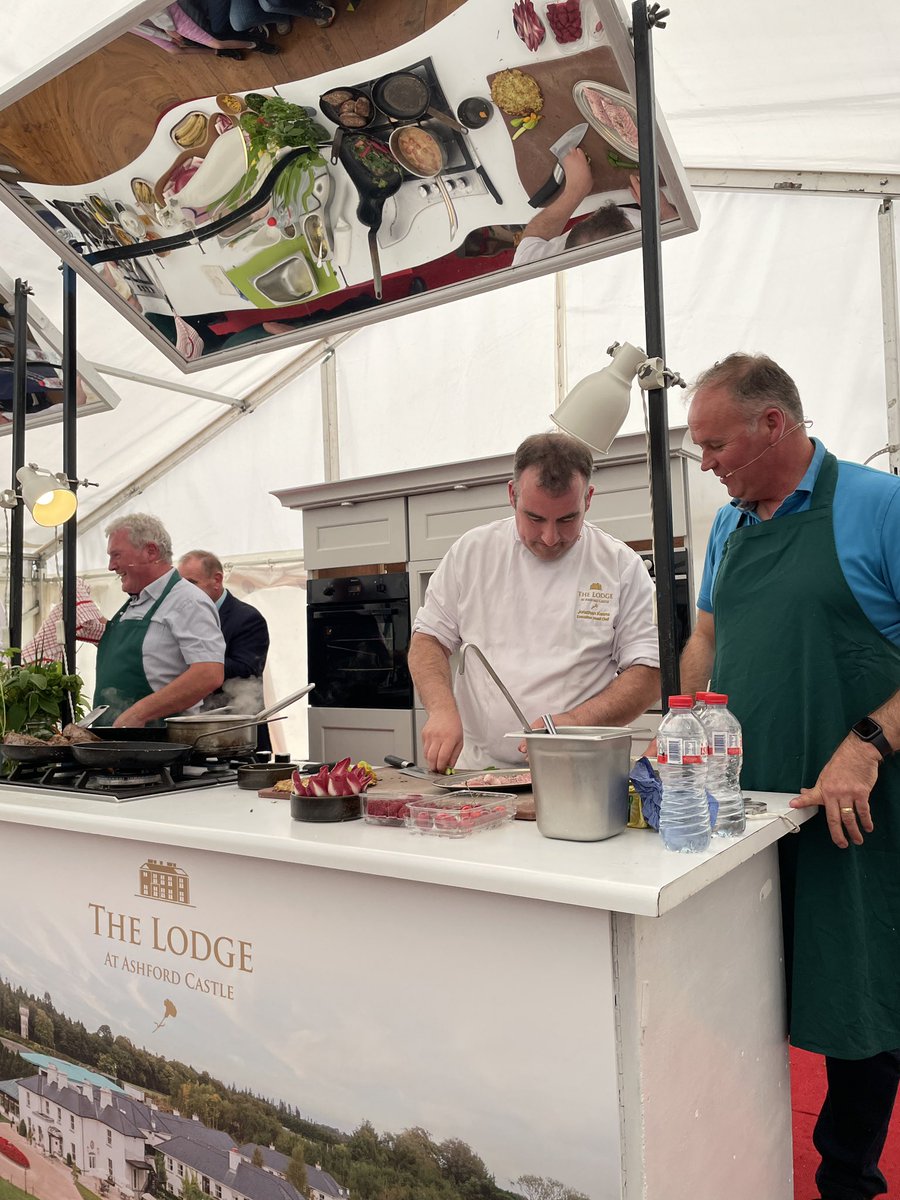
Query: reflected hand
[(578, 172)]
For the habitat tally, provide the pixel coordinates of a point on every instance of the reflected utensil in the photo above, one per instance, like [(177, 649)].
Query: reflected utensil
[(463, 650)]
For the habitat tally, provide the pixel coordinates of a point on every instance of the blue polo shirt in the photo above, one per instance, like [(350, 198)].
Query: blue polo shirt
[(866, 536)]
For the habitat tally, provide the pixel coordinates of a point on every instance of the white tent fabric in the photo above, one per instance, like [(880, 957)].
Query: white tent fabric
[(806, 87)]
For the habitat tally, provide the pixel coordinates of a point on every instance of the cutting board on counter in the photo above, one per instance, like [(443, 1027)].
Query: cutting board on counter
[(534, 162), (243, 276)]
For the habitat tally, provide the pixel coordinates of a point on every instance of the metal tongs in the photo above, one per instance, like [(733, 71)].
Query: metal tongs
[(463, 650)]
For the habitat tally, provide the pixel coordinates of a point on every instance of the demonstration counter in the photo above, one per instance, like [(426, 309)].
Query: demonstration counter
[(604, 1014)]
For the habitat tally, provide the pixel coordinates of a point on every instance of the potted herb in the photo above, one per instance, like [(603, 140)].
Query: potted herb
[(35, 697)]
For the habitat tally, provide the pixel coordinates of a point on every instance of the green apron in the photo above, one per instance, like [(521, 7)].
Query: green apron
[(121, 680), (801, 662)]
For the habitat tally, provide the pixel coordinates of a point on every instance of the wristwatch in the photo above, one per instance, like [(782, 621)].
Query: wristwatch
[(868, 730)]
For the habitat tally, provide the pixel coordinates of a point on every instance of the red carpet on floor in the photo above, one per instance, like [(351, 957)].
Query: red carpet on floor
[(807, 1094)]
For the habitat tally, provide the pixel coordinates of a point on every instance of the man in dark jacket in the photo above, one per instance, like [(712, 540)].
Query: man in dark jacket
[(246, 638)]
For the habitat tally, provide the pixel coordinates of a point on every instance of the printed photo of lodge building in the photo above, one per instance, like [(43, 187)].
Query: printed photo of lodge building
[(112, 1136)]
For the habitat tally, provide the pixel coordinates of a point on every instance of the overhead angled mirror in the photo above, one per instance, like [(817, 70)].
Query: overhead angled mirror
[(234, 190), (43, 368)]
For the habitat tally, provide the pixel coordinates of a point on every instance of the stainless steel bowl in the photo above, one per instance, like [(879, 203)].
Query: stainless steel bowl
[(580, 780)]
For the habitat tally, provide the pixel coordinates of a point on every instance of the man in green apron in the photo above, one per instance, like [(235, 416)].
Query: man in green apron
[(799, 622), (163, 651)]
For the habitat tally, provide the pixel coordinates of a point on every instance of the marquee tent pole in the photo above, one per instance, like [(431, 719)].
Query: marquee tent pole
[(644, 17)]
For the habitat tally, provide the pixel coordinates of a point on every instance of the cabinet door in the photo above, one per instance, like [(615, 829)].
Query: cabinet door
[(621, 501), (346, 535), (369, 733), (437, 519)]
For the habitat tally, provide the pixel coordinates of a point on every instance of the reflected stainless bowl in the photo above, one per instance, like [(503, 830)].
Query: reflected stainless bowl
[(290, 281)]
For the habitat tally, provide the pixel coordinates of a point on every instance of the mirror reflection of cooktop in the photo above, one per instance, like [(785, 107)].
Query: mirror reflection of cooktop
[(117, 789), (415, 195)]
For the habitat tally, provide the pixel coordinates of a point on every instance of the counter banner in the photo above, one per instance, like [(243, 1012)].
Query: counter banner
[(175, 1022)]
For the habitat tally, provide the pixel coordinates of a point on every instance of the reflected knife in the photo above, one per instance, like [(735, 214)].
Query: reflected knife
[(560, 149)]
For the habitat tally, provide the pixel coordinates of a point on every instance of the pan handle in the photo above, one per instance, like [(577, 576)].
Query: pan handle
[(445, 196), (229, 728), (336, 144), (376, 264), (447, 119)]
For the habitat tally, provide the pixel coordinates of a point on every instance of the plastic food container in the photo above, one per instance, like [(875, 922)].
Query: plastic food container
[(458, 816), (389, 808)]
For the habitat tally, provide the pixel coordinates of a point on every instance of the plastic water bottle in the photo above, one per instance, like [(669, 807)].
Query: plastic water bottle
[(681, 764), (700, 706), (724, 748)]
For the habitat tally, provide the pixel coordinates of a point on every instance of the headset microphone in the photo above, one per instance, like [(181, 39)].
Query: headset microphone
[(734, 470)]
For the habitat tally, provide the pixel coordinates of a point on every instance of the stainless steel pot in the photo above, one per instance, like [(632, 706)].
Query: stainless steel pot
[(229, 734)]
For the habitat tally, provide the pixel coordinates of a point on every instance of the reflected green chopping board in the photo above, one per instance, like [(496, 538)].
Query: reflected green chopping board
[(243, 276)]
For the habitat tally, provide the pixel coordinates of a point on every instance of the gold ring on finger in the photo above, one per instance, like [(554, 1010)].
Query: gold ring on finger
[(847, 810)]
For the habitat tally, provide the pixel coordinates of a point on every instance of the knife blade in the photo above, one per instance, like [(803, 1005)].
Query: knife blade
[(560, 148)]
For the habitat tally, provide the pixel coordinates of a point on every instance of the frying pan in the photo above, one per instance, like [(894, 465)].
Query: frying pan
[(406, 97), (333, 114), (372, 194), (135, 754), (397, 137), (37, 754)]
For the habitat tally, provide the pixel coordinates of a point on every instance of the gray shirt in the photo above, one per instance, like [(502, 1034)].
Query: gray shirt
[(184, 630)]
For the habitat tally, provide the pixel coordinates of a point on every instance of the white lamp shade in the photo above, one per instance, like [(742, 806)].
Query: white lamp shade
[(595, 409), (47, 497)]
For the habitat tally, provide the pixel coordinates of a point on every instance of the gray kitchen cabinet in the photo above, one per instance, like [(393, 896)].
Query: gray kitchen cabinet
[(350, 534), (621, 500), (368, 733), (437, 519)]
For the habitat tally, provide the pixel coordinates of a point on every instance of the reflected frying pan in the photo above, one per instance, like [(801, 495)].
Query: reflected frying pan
[(400, 150), (333, 113), (373, 190), (37, 754), (406, 97)]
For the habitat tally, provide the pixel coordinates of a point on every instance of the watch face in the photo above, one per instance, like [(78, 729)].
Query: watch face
[(867, 728)]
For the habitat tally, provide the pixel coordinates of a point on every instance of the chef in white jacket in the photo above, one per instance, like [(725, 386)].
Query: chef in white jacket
[(562, 610)]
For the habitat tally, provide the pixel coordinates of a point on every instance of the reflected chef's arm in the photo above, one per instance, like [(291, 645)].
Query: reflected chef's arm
[(188, 689), (697, 656), (848, 777), (442, 734), (551, 221)]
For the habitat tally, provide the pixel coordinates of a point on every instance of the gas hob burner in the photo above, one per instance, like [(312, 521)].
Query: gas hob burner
[(119, 779)]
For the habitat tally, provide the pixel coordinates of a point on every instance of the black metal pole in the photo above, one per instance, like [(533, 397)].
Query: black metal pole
[(660, 480), (70, 464), (17, 522)]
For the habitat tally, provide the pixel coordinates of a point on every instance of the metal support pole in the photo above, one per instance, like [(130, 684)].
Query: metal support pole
[(331, 443), (887, 251), (17, 521), (660, 481), (70, 464)]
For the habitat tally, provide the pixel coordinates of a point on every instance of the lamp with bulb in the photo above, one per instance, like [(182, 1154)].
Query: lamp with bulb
[(595, 409), (48, 496)]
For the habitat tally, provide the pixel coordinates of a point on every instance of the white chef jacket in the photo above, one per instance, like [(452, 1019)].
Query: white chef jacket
[(556, 633)]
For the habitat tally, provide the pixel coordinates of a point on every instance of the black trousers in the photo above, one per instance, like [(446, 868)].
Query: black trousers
[(853, 1124)]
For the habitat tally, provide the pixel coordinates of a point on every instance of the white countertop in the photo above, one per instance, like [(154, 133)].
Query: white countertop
[(630, 873)]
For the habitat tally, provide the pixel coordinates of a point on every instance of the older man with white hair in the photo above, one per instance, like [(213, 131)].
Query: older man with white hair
[(163, 651)]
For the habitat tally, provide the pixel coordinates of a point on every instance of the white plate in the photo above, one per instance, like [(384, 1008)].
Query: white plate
[(609, 135)]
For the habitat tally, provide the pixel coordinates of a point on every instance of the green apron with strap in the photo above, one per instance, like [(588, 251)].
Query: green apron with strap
[(121, 679), (801, 662)]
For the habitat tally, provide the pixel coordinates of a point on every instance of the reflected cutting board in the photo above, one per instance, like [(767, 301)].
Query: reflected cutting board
[(534, 162)]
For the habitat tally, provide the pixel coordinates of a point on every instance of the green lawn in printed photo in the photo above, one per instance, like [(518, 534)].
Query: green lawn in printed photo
[(9, 1191), (86, 1193)]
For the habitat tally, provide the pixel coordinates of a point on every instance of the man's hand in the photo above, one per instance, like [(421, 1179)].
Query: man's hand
[(843, 788), (130, 719), (578, 173), (442, 738)]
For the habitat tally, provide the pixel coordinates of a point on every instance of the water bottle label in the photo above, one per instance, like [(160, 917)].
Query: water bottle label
[(725, 743), (678, 751)]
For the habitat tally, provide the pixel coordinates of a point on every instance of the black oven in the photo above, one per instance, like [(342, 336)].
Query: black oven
[(358, 631)]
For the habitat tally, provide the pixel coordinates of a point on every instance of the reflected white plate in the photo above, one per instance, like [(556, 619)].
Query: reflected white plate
[(615, 96)]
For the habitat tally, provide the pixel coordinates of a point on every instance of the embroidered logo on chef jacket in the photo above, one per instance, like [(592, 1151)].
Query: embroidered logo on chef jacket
[(593, 603)]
